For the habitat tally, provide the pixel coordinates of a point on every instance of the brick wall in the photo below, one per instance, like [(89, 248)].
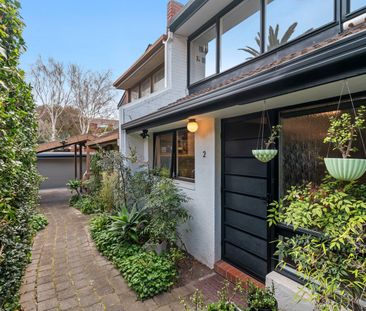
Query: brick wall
[(174, 8)]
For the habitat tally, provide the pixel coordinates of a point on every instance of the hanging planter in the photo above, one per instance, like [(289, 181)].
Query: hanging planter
[(343, 132), (265, 151)]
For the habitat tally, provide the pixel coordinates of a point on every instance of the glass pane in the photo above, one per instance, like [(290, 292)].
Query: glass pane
[(145, 87), (288, 19), (303, 150), (240, 34), (158, 80), (357, 4), (134, 93), (163, 151), (185, 154), (203, 55)]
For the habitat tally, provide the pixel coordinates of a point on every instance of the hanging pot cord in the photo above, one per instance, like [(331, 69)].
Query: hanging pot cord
[(260, 140), (345, 84)]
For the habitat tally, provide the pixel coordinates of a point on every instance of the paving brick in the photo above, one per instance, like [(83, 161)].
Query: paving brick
[(45, 295), (69, 303), (47, 304), (44, 286), (111, 299), (86, 301)]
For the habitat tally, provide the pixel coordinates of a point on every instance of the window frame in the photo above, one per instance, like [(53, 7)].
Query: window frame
[(173, 170), (338, 18), (151, 77), (282, 229)]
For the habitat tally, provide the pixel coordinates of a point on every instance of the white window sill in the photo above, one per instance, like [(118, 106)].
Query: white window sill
[(185, 184)]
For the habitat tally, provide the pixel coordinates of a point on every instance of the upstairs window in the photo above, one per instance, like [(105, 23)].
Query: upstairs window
[(254, 27), (240, 39), (174, 151), (146, 87), (152, 83), (288, 19), (356, 5), (158, 80), (203, 55), (135, 93)]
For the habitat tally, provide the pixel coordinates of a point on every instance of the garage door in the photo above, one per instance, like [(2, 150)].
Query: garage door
[(244, 198)]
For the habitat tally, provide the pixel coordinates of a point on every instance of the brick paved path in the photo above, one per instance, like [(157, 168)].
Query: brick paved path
[(67, 272)]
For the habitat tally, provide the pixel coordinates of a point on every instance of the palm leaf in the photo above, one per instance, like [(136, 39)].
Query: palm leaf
[(289, 32)]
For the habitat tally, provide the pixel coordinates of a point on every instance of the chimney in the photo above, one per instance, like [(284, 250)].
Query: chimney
[(174, 8)]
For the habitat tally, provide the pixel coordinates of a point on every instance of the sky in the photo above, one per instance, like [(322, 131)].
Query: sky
[(96, 34)]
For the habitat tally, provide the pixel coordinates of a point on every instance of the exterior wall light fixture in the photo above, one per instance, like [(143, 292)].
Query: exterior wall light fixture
[(192, 125)]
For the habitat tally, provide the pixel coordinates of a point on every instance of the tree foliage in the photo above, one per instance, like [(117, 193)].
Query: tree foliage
[(18, 175)]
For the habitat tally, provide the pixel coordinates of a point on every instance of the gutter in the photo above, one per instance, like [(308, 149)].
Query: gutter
[(280, 80), (189, 10)]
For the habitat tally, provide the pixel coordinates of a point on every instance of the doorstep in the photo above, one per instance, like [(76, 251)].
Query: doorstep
[(234, 275)]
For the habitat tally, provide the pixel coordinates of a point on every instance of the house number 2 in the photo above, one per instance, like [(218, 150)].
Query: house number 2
[(204, 154)]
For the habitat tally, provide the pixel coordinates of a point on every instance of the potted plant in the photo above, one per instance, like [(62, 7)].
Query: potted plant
[(266, 154), (342, 134), (261, 299)]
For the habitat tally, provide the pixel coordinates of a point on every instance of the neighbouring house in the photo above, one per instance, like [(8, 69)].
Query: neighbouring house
[(219, 65), (99, 125)]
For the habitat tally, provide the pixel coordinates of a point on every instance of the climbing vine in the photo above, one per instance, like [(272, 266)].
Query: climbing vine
[(18, 176)]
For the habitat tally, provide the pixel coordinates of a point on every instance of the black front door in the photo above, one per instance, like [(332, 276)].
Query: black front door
[(245, 190)]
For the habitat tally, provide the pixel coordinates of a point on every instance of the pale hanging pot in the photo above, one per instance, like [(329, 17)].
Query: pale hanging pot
[(264, 155), (345, 169)]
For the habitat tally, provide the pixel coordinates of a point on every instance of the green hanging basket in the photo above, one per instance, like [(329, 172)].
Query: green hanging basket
[(345, 169), (264, 155)]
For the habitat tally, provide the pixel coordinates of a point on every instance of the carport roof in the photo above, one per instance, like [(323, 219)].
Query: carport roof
[(78, 139)]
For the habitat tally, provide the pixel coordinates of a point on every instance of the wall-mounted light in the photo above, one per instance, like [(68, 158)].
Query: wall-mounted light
[(192, 125), (144, 134)]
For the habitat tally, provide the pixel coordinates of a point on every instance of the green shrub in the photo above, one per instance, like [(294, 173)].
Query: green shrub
[(74, 185), (147, 273), (331, 256), (107, 189), (127, 225), (73, 199), (165, 212), (38, 222), (259, 298), (19, 179), (87, 205)]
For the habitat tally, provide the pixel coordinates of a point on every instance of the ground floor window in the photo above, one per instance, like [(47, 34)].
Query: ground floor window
[(301, 145), (174, 151)]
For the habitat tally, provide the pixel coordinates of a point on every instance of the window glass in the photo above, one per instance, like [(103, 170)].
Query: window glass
[(303, 150), (357, 4), (240, 38), (163, 151), (203, 55), (288, 19), (185, 154), (134, 93), (158, 80), (145, 87)]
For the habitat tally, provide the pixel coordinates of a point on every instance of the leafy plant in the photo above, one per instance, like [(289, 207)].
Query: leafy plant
[(275, 134), (106, 191), (74, 185), (259, 299), (19, 179), (126, 225), (331, 256), (87, 205), (273, 39), (224, 303), (38, 222), (148, 274), (344, 130), (165, 212)]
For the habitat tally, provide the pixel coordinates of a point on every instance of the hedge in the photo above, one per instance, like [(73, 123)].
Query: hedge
[(18, 175)]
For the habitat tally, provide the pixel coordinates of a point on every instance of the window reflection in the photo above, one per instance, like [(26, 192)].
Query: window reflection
[(185, 154), (164, 151), (288, 19), (303, 150), (357, 4), (203, 55), (240, 30)]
